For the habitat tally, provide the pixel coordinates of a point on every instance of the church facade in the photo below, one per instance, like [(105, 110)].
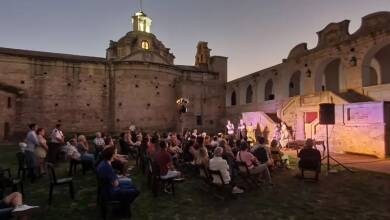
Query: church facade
[(137, 83)]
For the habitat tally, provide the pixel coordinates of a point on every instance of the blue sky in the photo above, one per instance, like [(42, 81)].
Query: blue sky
[(254, 34)]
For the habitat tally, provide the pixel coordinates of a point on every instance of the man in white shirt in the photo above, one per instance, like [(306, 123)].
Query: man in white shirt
[(217, 163), (57, 141)]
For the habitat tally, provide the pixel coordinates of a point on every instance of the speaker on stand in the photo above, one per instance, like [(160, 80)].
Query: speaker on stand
[(327, 117)]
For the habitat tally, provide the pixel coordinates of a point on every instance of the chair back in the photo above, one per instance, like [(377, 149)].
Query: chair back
[(309, 164), (217, 174), (52, 173)]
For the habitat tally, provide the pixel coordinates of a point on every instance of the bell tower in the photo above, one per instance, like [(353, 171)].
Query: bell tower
[(202, 57), (141, 22)]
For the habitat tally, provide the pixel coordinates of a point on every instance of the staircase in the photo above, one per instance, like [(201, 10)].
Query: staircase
[(274, 117)]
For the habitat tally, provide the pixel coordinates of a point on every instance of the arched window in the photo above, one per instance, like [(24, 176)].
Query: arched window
[(249, 94), (145, 45), (233, 99), (294, 86), (269, 91)]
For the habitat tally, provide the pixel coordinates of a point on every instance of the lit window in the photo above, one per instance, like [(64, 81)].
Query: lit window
[(145, 45)]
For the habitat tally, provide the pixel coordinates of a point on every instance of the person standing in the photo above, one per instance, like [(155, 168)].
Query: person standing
[(31, 142), (41, 150), (57, 140), (250, 133), (230, 128), (241, 130)]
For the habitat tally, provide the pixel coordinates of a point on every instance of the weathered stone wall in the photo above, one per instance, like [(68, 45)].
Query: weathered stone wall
[(145, 95), (7, 114), (94, 96), (57, 91)]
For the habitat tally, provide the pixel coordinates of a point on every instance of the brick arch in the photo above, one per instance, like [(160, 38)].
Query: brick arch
[(375, 61), (295, 84), (329, 75)]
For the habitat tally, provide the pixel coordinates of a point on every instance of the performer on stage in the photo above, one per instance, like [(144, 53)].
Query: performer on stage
[(284, 136), (250, 133), (276, 135), (241, 130), (230, 128)]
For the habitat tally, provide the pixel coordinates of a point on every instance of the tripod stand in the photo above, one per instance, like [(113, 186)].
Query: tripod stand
[(328, 157)]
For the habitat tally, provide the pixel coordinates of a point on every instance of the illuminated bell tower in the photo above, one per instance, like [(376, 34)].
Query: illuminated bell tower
[(141, 22)]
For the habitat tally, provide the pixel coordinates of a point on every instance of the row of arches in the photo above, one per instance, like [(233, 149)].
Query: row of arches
[(330, 76), (269, 90)]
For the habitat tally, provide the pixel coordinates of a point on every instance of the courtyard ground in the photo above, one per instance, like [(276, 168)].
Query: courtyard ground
[(362, 195)]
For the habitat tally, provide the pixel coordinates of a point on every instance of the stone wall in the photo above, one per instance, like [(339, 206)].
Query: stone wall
[(89, 96), (7, 114), (360, 128), (339, 57), (57, 91)]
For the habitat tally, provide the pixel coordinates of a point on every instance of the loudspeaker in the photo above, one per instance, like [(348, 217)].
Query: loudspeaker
[(327, 114)]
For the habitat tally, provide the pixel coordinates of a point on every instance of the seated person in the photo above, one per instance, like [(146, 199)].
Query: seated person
[(309, 158), (262, 152), (228, 155), (71, 150), (115, 188), (202, 157), (277, 154), (217, 163), (14, 202), (252, 163), (152, 146), (83, 148), (164, 160), (98, 142), (120, 162)]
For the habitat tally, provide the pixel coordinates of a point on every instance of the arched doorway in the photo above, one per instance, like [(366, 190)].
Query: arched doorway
[(371, 79), (249, 94), (328, 76), (295, 84), (269, 91), (376, 65), (233, 98)]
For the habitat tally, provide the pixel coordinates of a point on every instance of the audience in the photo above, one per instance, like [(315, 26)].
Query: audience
[(253, 164), (83, 149), (218, 153), (309, 157), (98, 142), (262, 152), (217, 163), (164, 160), (114, 187), (71, 150), (57, 141)]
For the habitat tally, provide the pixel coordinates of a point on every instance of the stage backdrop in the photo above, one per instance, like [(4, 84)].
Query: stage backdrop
[(262, 123)]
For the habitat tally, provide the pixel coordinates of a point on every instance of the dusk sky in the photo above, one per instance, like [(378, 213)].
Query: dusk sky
[(254, 34)]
